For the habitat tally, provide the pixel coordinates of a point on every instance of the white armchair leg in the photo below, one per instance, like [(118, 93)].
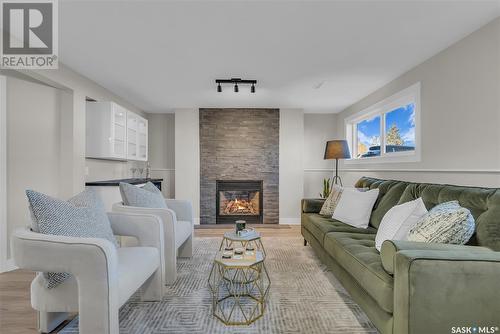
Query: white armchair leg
[(186, 249), (170, 269), (48, 321), (153, 288), (98, 311)]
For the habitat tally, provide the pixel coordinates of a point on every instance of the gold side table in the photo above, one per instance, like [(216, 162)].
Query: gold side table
[(231, 239), (239, 288)]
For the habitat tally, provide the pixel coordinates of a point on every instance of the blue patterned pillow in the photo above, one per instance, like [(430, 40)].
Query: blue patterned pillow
[(446, 223), (147, 196), (82, 216)]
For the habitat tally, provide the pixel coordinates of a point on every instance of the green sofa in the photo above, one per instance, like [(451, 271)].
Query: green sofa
[(412, 287)]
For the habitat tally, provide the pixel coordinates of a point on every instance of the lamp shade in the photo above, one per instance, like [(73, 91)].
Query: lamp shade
[(337, 149)]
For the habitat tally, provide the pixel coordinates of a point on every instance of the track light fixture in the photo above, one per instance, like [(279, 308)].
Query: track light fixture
[(235, 82)]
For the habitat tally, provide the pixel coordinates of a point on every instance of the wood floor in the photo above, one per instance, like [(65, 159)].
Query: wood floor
[(17, 316)]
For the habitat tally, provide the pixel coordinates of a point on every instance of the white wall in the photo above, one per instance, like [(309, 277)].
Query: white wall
[(291, 169), (460, 115), (162, 150), (33, 146), (46, 136), (81, 87), (318, 129), (187, 157)]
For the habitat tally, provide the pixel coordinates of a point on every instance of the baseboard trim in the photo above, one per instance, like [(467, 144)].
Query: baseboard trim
[(9, 266), (290, 221)]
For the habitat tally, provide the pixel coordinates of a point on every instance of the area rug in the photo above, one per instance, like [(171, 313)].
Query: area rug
[(304, 297)]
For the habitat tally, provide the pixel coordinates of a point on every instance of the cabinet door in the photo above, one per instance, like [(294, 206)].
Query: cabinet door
[(118, 132), (132, 135), (142, 131)]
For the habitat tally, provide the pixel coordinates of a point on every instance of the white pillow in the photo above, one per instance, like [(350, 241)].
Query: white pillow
[(399, 220), (355, 207)]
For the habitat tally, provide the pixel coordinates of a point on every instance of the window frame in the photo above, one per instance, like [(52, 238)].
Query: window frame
[(381, 108)]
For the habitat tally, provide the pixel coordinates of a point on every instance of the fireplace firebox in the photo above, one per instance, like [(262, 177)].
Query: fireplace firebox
[(238, 200)]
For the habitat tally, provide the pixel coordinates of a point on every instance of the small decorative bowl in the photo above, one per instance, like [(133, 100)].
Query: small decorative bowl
[(239, 251)]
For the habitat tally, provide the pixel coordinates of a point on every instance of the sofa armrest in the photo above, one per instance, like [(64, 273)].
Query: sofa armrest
[(92, 261), (435, 290), (312, 205), (148, 229), (391, 247), (182, 208)]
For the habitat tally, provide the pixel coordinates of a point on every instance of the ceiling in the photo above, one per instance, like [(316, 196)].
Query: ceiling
[(320, 56)]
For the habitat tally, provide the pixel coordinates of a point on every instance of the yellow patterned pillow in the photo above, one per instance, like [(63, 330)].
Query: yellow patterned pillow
[(331, 201)]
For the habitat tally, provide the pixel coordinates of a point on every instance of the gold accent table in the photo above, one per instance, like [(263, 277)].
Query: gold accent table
[(253, 239), (239, 288)]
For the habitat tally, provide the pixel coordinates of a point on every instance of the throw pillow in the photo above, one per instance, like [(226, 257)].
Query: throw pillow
[(355, 207), (82, 216), (148, 196), (447, 223), (331, 201), (399, 220)]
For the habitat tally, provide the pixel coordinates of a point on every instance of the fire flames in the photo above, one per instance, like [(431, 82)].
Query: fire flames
[(239, 207)]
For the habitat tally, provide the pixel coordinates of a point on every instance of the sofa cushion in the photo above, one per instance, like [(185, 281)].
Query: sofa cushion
[(135, 266), (319, 225), (356, 253)]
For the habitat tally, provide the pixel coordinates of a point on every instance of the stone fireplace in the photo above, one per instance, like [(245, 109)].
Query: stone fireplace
[(239, 200), (239, 165)]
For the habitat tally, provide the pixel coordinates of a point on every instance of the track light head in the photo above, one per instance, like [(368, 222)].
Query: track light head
[(236, 89), (252, 89), (219, 88)]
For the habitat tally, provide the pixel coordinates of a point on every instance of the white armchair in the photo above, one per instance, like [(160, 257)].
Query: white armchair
[(178, 225), (103, 277)]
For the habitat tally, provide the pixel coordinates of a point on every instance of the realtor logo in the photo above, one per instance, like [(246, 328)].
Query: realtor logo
[(29, 34)]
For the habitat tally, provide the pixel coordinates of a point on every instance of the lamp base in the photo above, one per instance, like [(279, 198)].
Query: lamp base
[(337, 180)]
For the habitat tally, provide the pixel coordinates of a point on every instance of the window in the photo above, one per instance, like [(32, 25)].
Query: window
[(388, 130)]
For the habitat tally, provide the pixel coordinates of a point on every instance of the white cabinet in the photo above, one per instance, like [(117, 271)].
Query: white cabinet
[(132, 145), (142, 138), (106, 132), (137, 137), (112, 132)]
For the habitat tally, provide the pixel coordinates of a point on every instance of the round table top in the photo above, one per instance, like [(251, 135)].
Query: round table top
[(247, 237), (247, 260)]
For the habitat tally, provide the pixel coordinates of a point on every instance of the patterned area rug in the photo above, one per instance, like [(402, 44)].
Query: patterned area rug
[(304, 298)]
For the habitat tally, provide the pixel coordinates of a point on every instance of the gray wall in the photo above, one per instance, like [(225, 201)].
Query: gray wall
[(239, 144), (33, 146), (318, 129), (460, 115), (161, 144)]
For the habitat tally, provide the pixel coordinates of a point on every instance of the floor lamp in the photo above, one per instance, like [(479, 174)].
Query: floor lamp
[(337, 149)]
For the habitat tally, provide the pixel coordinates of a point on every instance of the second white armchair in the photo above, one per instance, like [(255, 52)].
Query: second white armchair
[(178, 227)]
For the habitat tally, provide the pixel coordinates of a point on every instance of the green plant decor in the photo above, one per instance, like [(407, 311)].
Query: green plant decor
[(326, 188)]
